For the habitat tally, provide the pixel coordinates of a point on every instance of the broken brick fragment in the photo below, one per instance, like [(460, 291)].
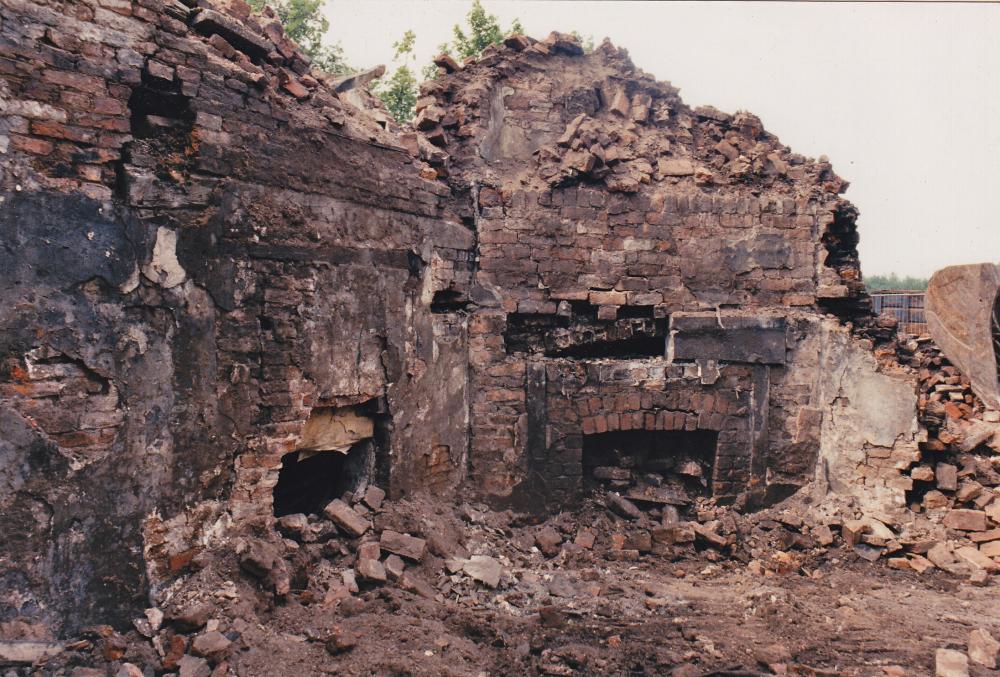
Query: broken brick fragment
[(447, 62), (346, 518), (966, 520), (404, 545)]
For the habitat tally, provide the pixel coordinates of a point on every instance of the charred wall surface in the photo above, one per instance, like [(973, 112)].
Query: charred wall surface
[(201, 244)]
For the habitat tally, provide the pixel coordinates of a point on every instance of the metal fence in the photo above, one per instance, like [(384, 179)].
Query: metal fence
[(905, 306)]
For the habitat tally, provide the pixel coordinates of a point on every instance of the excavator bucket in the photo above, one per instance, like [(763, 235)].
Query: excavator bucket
[(962, 307)]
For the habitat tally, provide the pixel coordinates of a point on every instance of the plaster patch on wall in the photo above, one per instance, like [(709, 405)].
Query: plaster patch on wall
[(164, 268)]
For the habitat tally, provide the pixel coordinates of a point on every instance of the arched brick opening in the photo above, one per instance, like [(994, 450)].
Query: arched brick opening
[(657, 464)]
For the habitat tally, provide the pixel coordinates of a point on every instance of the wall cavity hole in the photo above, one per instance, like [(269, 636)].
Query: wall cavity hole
[(307, 485), (449, 301), (158, 108), (664, 466)]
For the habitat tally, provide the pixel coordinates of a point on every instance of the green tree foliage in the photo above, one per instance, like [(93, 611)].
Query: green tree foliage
[(399, 91), (305, 24), (893, 281), (586, 42), (483, 30)]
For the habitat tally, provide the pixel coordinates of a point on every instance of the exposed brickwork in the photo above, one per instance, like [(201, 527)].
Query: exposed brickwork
[(605, 396), (206, 241), (213, 242), (603, 206), (73, 406)]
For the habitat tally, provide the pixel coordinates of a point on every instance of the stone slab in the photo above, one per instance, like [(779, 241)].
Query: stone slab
[(744, 338), (959, 306), (26, 653)]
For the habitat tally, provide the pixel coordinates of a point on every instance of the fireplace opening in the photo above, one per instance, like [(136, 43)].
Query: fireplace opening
[(339, 450), (307, 485), (651, 466)]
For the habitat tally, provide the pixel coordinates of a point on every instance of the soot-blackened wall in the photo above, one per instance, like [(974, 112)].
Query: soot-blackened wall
[(201, 243)]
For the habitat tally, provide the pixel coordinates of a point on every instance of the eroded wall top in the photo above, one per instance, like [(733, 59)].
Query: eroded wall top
[(621, 182)]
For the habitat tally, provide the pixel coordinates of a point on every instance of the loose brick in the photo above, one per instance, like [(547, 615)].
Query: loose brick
[(404, 545), (346, 518)]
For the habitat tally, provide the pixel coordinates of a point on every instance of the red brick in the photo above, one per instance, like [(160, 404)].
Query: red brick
[(111, 124), (160, 70), (56, 130), (78, 81), (30, 144), (108, 106)]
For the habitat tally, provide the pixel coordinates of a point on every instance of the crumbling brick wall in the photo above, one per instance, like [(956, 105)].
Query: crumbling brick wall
[(605, 211), (203, 241), (212, 251)]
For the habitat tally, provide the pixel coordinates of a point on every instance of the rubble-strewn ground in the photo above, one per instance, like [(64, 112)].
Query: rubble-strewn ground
[(720, 593)]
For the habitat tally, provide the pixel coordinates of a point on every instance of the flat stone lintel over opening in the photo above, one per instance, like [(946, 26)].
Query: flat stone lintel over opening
[(756, 339)]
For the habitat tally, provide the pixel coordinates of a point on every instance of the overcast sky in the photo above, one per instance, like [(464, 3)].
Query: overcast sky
[(904, 98)]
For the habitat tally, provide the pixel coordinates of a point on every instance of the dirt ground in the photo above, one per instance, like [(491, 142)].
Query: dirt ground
[(766, 599), (852, 619)]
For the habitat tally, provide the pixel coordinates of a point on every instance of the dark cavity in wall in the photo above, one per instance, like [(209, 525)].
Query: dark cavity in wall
[(306, 486), (157, 106), (161, 121), (629, 347), (841, 242), (579, 334), (344, 451), (659, 466), (449, 301), (841, 239)]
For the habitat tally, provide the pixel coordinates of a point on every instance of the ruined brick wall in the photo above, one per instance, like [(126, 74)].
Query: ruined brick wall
[(218, 263), (203, 243), (606, 211)]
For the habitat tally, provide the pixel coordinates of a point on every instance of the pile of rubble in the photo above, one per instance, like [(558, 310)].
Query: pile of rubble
[(962, 443), (469, 557), (616, 149), (954, 495)]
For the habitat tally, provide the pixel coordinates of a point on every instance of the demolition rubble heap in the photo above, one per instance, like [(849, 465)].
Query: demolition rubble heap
[(274, 370)]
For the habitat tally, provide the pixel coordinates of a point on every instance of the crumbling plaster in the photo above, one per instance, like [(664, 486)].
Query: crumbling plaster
[(867, 422)]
